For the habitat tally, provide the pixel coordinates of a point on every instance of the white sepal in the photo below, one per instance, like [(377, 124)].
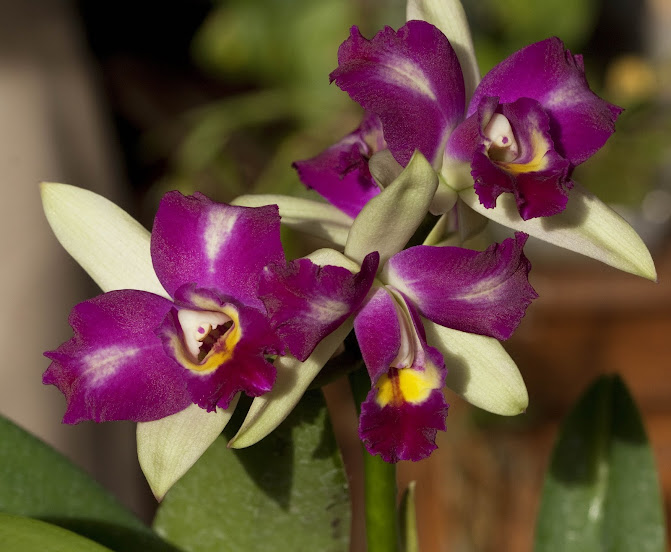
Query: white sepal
[(167, 448), (389, 220), (587, 226), (450, 18), (293, 378), (480, 370), (305, 215), (109, 244)]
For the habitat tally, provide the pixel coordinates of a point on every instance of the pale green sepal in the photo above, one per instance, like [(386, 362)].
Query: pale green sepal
[(109, 244), (586, 226), (324, 257), (408, 520), (167, 448), (450, 18), (439, 231), (305, 215), (384, 168), (480, 370), (389, 220), (444, 199), (293, 378)]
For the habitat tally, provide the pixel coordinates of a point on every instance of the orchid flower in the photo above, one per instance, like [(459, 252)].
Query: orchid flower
[(505, 147), (425, 304), (174, 353)]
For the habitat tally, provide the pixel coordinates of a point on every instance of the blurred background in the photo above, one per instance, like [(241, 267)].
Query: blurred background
[(131, 99)]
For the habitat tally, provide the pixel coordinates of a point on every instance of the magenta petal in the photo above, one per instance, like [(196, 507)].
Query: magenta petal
[(411, 79), (538, 176), (306, 302), (114, 368), (238, 359), (405, 431), (340, 174), (378, 332), (214, 245), (483, 292), (580, 121)]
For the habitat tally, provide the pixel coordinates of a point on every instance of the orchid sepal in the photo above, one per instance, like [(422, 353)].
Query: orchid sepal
[(450, 18), (480, 370), (587, 226), (315, 218), (167, 448), (379, 228), (293, 378), (110, 245)]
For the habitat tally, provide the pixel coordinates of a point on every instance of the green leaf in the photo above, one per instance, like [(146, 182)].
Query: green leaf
[(602, 490), (36, 481), (21, 534), (288, 492)]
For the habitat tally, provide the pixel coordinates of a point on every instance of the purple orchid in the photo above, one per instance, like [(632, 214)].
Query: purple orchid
[(139, 356), (478, 292), (423, 287), (529, 122)]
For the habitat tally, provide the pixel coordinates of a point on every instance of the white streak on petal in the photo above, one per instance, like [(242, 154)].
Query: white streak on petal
[(404, 74), (106, 362), (217, 232)]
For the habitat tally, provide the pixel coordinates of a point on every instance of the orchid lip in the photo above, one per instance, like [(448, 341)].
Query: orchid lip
[(500, 139), (201, 329)]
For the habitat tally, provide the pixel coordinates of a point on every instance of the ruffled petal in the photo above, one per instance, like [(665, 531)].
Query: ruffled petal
[(340, 174), (536, 174), (403, 430), (114, 368), (580, 121), (405, 407), (306, 302), (482, 292), (412, 80), (214, 245), (232, 357)]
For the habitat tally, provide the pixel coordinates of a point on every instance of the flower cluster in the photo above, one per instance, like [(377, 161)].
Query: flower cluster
[(223, 312)]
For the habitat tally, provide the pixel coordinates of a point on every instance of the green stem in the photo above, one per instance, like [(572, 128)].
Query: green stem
[(379, 486)]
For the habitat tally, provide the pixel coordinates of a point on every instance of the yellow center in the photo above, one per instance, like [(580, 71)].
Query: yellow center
[(401, 385), (538, 163)]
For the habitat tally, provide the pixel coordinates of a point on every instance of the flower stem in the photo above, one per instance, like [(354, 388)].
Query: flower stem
[(379, 486)]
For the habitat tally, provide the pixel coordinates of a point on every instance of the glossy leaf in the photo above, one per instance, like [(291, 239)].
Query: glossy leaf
[(21, 534), (602, 492), (288, 492), (36, 481)]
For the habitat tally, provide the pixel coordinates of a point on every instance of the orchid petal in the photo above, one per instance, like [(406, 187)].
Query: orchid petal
[(293, 378), (587, 226), (480, 370), (413, 71), (580, 121), (390, 219), (305, 302), (214, 245), (111, 246), (340, 174), (114, 368), (305, 215), (483, 292), (167, 448), (450, 18)]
